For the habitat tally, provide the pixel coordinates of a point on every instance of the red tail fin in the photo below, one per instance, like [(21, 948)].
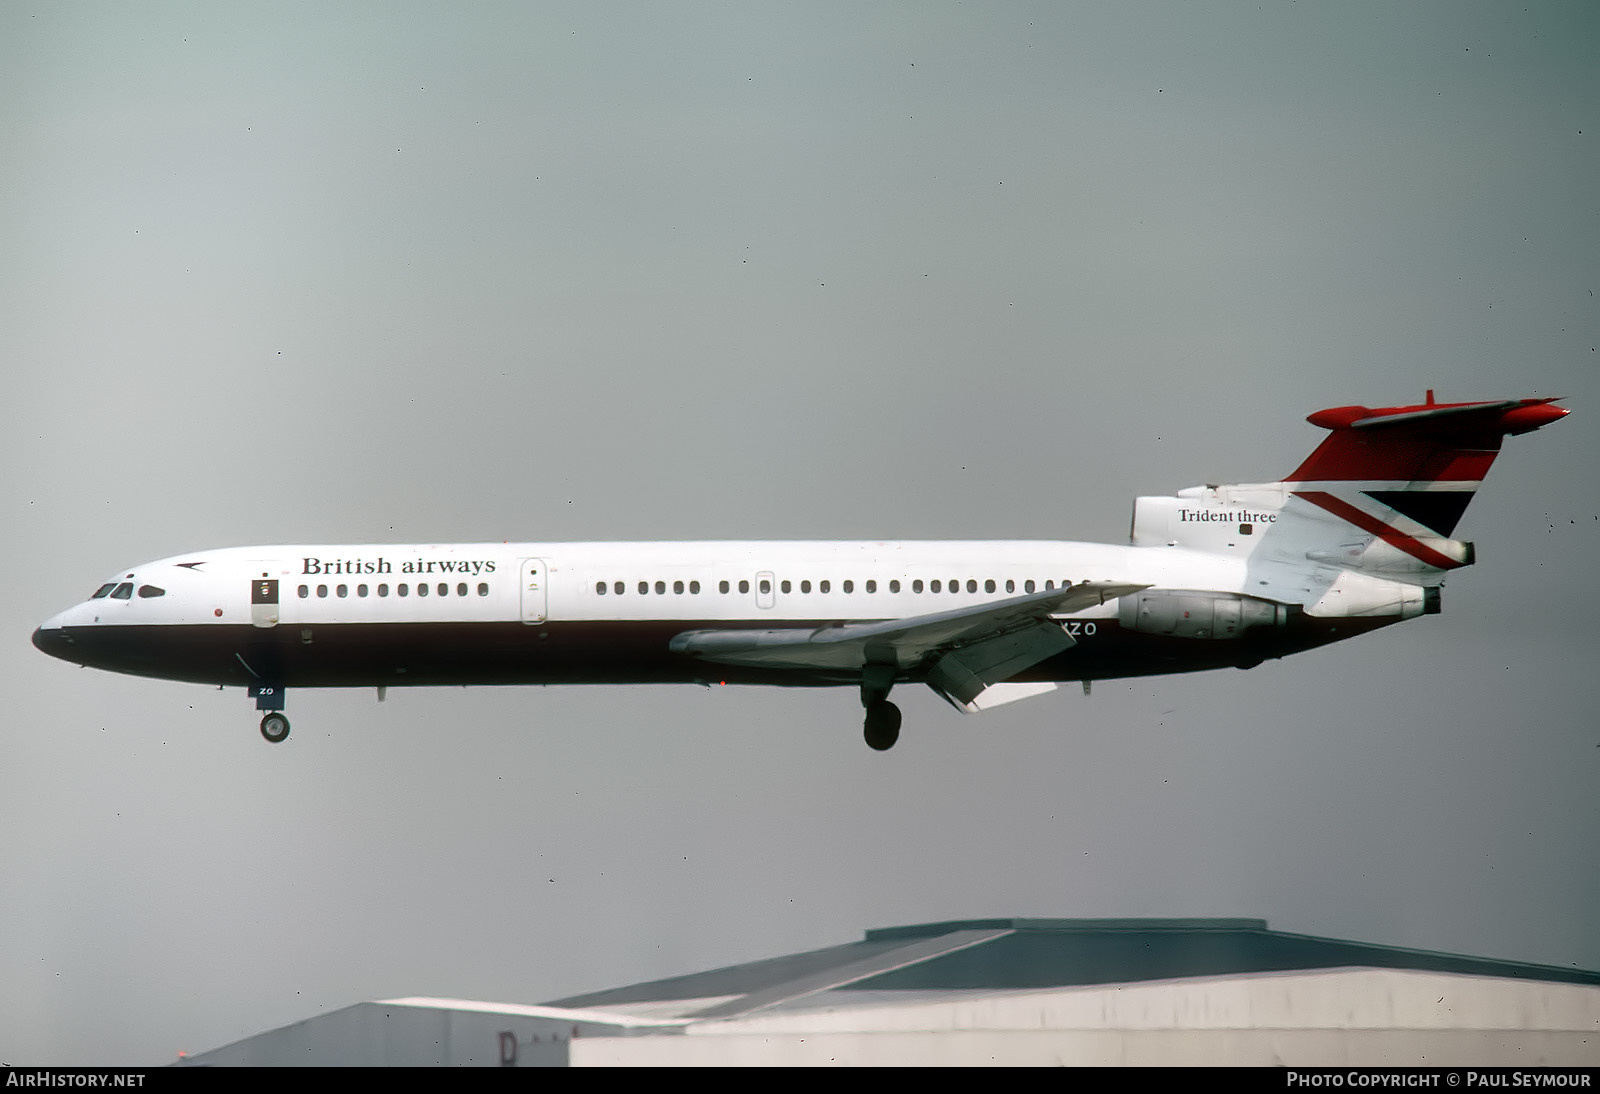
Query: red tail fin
[(1423, 461)]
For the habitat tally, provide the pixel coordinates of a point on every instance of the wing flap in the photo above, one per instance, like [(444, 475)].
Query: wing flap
[(999, 694), (962, 674)]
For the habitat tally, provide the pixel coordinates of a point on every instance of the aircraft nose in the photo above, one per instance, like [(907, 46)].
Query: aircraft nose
[(53, 640)]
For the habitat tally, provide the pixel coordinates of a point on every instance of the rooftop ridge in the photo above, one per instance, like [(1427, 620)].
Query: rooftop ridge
[(918, 930)]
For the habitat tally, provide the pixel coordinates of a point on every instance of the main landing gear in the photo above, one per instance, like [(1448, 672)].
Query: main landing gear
[(882, 725), (274, 726)]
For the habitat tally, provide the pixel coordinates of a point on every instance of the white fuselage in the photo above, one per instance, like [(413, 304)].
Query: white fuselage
[(381, 615), (757, 582)]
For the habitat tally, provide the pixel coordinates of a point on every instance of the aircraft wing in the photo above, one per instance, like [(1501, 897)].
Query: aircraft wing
[(966, 650)]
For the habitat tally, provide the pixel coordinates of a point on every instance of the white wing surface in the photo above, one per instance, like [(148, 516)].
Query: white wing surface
[(963, 652)]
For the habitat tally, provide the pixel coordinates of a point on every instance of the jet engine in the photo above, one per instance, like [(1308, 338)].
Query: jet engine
[(1181, 614)]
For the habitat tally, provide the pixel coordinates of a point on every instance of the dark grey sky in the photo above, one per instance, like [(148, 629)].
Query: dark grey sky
[(384, 272)]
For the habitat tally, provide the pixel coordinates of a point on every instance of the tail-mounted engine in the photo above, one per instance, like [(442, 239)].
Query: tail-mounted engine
[(1177, 613)]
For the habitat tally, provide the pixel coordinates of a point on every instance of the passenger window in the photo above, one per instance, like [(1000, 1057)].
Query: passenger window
[(1048, 585), (894, 585), (1011, 586), (872, 586), (361, 590), (934, 586), (483, 588), (805, 586), (823, 586), (422, 588), (955, 585), (305, 591), (916, 586), (146, 592), (661, 588), (461, 588), (766, 586), (600, 587), (722, 586), (694, 588), (1027, 586), (677, 587), (644, 587), (849, 586), (402, 589), (343, 591), (322, 591), (383, 590), (988, 586), (616, 587), (784, 585)]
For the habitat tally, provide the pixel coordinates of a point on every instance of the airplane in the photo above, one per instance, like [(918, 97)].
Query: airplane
[(1356, 538)]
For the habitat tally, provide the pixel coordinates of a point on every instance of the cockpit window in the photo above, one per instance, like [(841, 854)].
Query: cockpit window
[(123, 591), (148, 591), (104, 590)]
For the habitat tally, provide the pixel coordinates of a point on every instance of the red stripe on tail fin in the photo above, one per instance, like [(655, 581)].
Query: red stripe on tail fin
[(1411, 545)]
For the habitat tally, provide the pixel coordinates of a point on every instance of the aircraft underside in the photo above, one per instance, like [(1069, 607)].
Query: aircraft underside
[(272, 660)]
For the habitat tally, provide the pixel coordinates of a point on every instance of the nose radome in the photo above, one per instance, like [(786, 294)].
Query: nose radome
[(54, 641)]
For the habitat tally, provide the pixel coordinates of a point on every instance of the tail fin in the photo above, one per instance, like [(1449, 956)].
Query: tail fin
[(1406, 474), (1378, 498)]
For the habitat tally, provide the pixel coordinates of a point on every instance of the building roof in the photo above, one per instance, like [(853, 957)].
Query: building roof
[(1016, 991), (1023, 954)]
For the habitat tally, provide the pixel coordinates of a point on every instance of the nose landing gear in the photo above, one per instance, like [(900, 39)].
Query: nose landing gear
[(274, 726)]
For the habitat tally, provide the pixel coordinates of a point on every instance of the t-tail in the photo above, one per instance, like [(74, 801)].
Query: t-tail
[(1364, 526)]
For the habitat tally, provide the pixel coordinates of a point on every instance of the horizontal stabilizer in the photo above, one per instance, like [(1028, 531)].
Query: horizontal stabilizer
[(1419, 444), (1500, 416)]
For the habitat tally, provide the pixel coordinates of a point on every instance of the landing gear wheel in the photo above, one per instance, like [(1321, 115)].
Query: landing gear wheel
[(275, 727), (882, 728)]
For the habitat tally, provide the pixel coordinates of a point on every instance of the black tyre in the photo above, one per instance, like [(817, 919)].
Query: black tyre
[(882, 727), (275, 727)]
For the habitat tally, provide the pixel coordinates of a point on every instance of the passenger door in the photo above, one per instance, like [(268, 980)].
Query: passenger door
[(264, 602), (535, 590)]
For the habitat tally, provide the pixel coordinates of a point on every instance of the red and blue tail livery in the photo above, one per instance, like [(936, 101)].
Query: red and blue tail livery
[(1359, 536)]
